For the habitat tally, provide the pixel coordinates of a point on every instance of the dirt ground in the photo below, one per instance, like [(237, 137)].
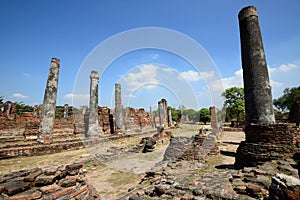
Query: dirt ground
[(114, 178)]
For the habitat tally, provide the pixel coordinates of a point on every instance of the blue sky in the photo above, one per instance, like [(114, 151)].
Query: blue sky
[(32, 32)]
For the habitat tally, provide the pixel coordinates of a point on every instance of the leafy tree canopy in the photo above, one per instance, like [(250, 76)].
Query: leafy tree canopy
[(234, 103), (204, 115), (285, 102)]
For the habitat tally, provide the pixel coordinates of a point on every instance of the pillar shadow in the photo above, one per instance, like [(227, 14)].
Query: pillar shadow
[(233, 143), (228, 153)]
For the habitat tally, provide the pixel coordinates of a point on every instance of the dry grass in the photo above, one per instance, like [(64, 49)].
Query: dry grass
[(16, 164)]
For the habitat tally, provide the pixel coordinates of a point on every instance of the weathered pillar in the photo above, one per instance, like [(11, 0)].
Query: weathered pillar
[(170, 118), (93, 109), (118, 108), (257, 89), (161, 114), (213, 118), (66, 111), (49, 104), (152, 118)]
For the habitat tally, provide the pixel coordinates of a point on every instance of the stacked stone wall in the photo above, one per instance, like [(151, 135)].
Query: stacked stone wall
[(55, 182), (266, 143)]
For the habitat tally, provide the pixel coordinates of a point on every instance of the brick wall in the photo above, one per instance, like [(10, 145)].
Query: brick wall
[(266, 143)]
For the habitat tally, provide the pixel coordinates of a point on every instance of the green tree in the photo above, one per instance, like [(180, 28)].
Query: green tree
[(176, 114), (285, 102), (204, 115), (21, 108), (234, 103), (192, 114), (1, 100)]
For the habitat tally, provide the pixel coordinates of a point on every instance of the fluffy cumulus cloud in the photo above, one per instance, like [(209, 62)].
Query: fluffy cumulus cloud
[(19, 96), (192, 75), (141, 76)]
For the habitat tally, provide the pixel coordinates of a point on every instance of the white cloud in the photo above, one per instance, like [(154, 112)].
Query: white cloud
[(146, 74), (195, 76), (288, 67), (208, 75), (129, 96), (168, 69), (224, 83), (70, 96), (20, 96), (190, 75), (283, 68), (275, 83)]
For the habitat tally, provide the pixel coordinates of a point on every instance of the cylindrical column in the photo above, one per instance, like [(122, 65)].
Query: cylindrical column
[(257, 89), (118, 108), (93, 110), (49, 104)]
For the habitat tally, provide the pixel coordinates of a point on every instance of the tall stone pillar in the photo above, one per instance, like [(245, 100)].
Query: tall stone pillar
[(258, 96), (66, 111), (213, 118), (161, 114), (152, 118), (49, 104), (118, 109), (170, 122), (93, 109)]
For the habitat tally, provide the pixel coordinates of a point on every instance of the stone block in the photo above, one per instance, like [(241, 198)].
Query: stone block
[(59, 193), (73, 166), (50, 188), (15, 187), (32, 175), (79, 192), (67, 182), (44, 180), (27, 195)]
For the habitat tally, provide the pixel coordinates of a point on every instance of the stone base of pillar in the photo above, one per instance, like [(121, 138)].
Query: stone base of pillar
[(45, 139), (93, 130), (267, 142)]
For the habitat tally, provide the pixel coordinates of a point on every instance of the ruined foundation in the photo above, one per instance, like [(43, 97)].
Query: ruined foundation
[(266, 143)]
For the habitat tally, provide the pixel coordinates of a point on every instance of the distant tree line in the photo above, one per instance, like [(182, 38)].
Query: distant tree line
[(202, 115)]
